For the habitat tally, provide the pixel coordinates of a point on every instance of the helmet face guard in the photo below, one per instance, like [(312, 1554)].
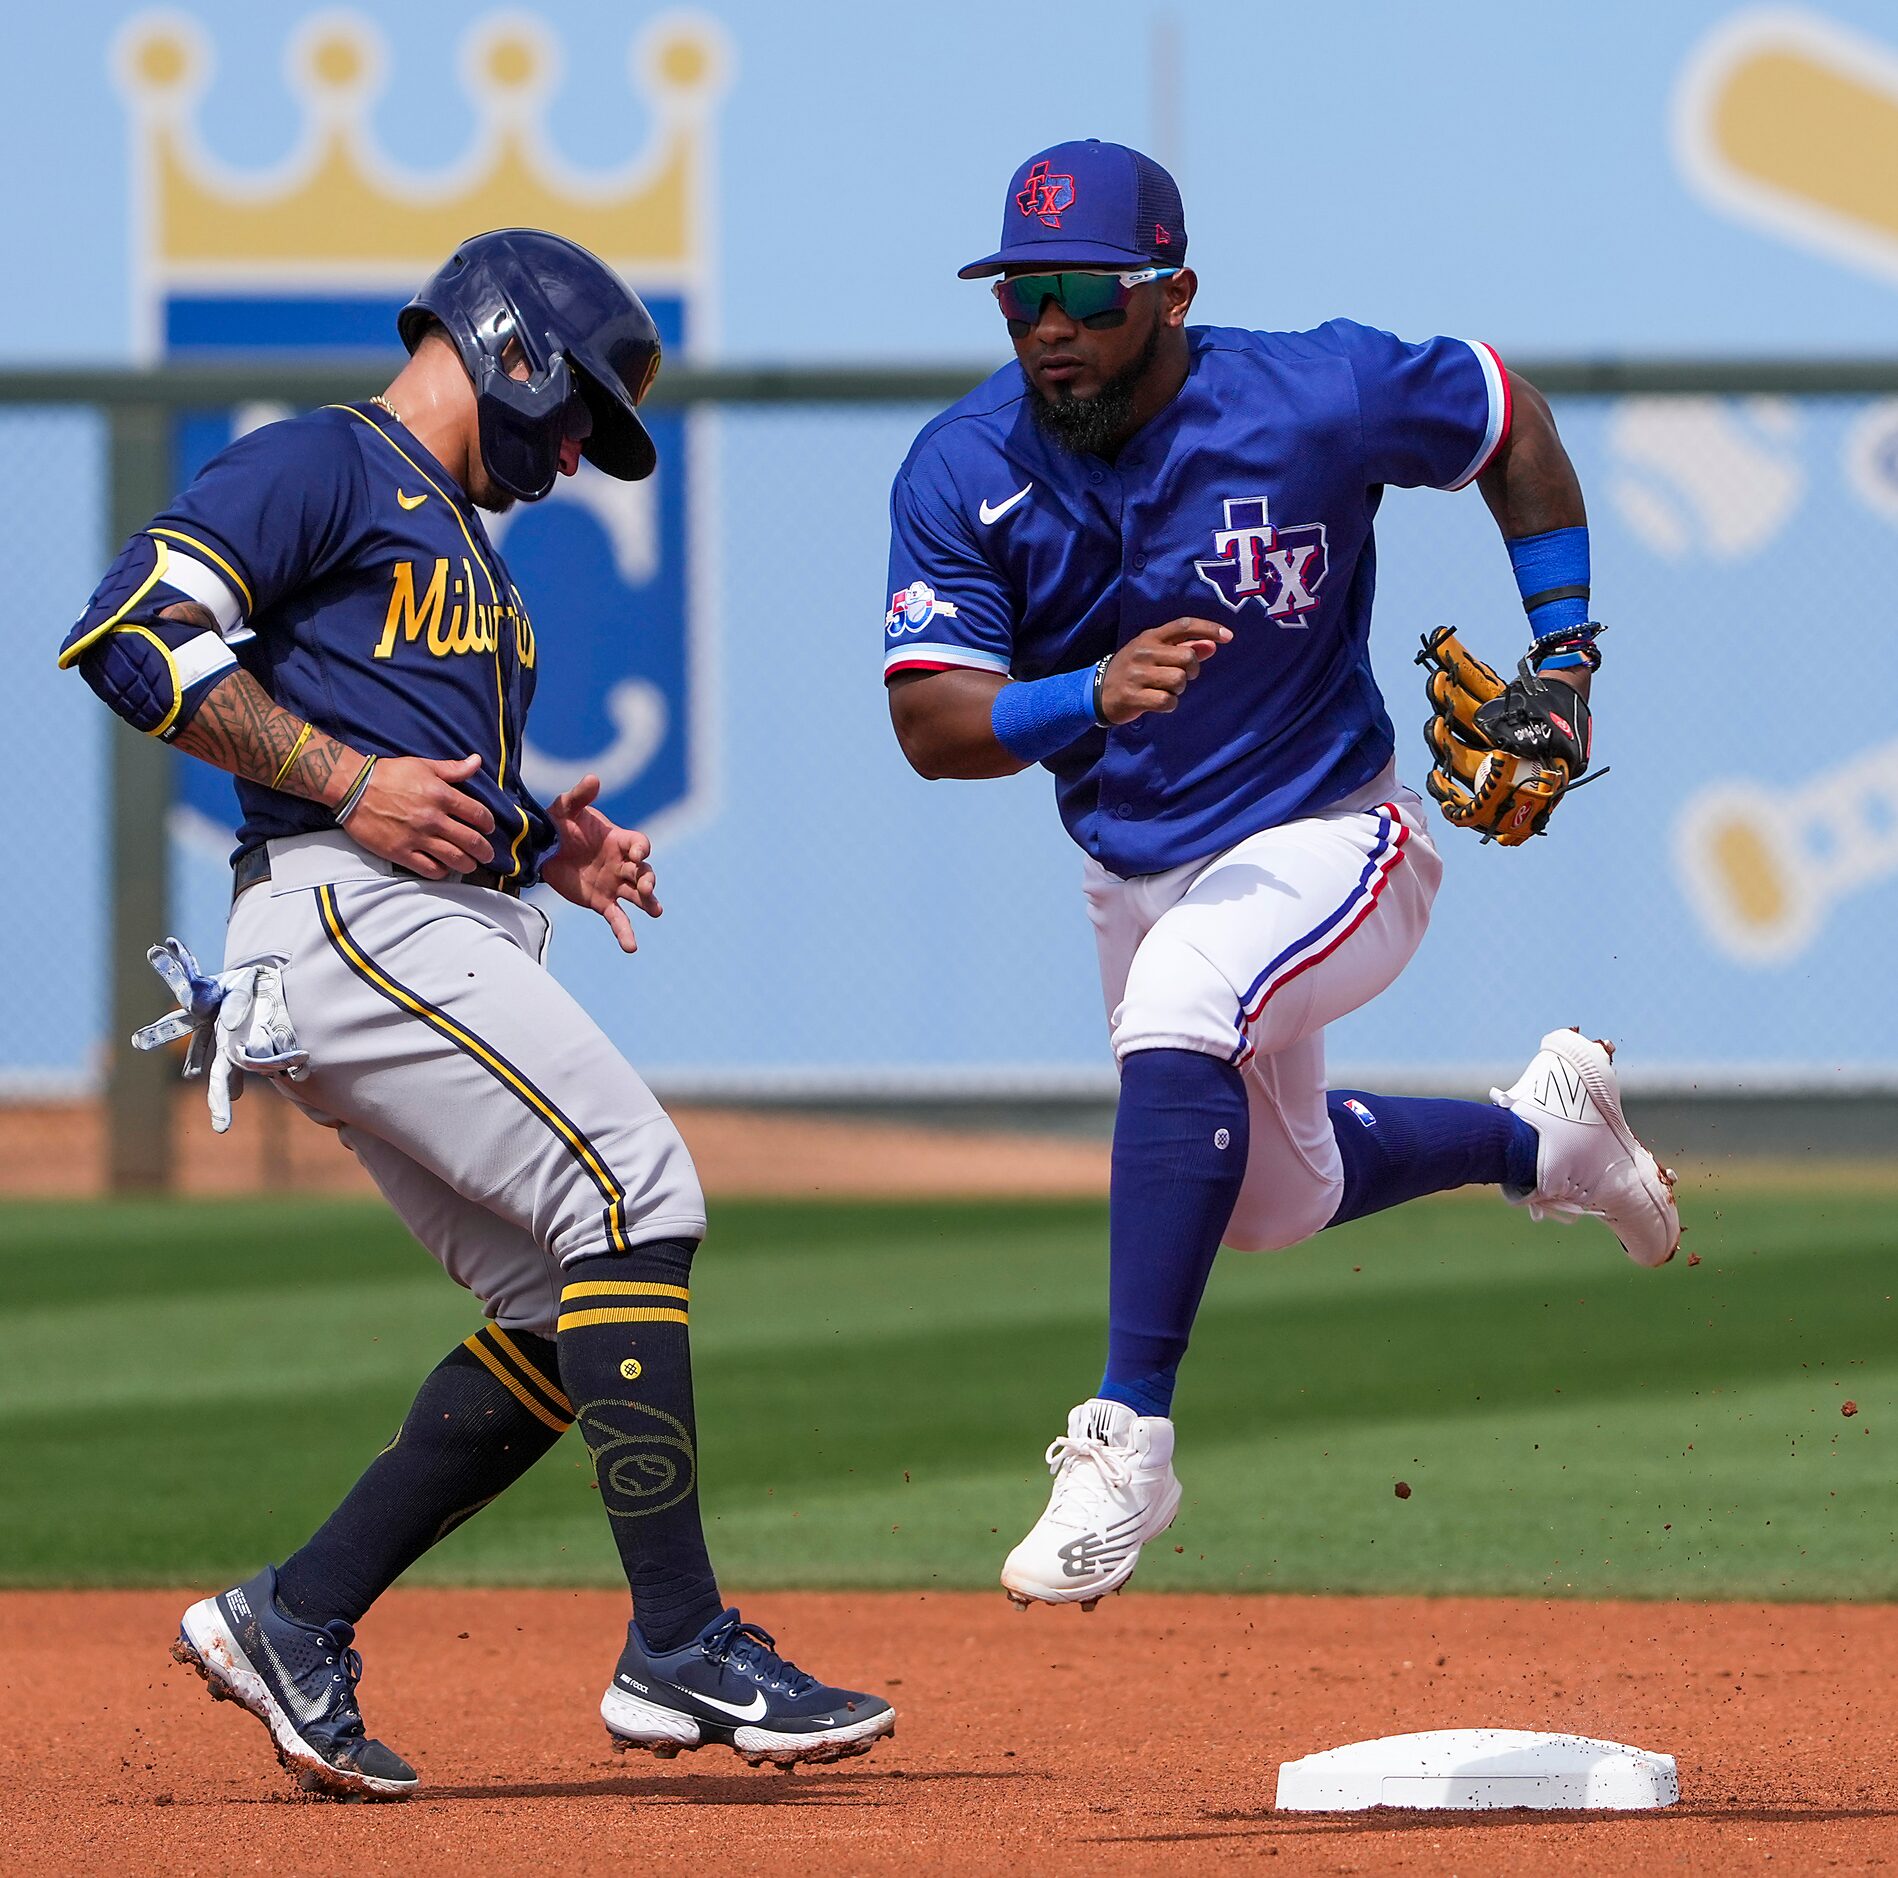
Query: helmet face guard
[(582, 332)]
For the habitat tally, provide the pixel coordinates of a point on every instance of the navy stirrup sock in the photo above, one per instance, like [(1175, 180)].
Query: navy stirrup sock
[(487, 1412), (1398, 1147), (1180, 1141), (626, 1363)]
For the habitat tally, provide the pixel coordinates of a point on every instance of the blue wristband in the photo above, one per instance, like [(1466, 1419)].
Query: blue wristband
[(1552, 577), (1035, 717)]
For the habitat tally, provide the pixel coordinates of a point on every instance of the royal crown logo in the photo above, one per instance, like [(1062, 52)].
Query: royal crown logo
[(316, 253)]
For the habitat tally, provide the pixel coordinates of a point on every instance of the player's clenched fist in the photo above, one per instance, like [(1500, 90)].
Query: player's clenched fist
[(412, 813), (1151, 672)]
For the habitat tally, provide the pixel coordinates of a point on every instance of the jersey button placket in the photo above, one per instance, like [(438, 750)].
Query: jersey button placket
[(1114, 774), (1137, 730)]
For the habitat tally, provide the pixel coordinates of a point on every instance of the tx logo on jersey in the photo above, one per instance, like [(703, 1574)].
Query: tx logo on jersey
[(1281, 568), (913, 607), (1045, 196)]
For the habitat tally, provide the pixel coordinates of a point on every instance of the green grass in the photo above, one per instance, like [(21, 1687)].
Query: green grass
[(185, 1389)]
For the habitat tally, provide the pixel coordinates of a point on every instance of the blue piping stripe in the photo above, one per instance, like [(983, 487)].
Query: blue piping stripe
[(1318, 932)]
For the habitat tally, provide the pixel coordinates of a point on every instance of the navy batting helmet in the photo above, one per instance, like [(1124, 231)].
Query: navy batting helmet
[(584, 333)]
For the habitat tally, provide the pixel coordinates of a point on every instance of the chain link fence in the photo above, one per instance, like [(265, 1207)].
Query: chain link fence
[(838, 928), (52, 941)]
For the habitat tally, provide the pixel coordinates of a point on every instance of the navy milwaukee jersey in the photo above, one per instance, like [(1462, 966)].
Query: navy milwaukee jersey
[(1248, 500), (363, 594)]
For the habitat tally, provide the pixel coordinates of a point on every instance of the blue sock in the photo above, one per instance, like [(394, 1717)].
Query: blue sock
[(1397, 1147), (1180, 1139)]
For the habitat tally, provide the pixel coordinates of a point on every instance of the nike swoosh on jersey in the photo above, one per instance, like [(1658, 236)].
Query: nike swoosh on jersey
[(992, 512), (411, 502), (749, 1711)]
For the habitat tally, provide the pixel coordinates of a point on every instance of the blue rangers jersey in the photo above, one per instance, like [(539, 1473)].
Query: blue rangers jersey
[(350, 575), (1248, 500)]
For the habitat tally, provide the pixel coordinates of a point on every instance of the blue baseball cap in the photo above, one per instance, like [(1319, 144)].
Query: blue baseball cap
[(1088, 204)]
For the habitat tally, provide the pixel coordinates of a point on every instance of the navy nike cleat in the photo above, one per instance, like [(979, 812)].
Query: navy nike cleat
[(729, 1685), (299, 1681)]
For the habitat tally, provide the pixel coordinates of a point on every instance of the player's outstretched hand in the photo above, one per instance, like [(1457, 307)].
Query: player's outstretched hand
[(599, 864), (412, 813), (1151, 672)]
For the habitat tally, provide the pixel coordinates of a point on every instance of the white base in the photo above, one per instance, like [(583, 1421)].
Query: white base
[(1472, 1769)]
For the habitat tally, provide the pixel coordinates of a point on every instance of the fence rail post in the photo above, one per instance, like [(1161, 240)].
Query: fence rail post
[(138, 1088)]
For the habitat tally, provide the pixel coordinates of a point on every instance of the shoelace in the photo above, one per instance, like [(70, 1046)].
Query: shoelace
[(1087, 1469), (756, 1649), (349, 1660)]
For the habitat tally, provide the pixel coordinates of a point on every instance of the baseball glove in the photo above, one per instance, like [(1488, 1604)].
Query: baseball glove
[(1502, 754)]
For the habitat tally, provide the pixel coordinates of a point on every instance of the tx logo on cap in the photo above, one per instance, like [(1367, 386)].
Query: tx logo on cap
[(1046, 196)]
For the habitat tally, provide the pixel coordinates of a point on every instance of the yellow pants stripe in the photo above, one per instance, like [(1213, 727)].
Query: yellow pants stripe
[(496, 1065), (518, 1360), (622, 1314), (621, 1288), (499, 1370)]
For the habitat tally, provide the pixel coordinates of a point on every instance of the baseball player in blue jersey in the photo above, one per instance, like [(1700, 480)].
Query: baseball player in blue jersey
[(1142, 556), (323, 614)]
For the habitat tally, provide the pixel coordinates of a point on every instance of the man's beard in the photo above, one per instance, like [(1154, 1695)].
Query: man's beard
[(1090, 426)]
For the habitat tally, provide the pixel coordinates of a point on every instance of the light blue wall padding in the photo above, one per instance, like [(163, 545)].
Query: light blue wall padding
[(1409, 165), (52, 937), (830, 914)]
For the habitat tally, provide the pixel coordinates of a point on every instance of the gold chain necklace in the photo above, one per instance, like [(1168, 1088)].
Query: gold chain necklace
[(383, 403)]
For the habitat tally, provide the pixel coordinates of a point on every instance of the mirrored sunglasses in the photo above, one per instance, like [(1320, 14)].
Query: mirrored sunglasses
[(1093, 298)]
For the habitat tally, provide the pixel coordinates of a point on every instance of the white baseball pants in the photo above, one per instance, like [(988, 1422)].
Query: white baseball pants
[(1248, 955)]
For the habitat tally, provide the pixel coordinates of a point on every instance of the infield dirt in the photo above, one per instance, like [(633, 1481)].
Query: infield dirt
[(58, 1150), (1145, 1737)]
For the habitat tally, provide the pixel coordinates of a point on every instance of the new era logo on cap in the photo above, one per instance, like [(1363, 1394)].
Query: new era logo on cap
[(1088, 204)]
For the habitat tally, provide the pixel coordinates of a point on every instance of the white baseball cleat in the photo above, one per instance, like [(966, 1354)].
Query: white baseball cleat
[(1588, 1160), (1114, 1489)]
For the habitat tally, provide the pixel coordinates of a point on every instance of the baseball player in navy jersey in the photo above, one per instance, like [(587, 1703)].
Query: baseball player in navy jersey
[(323, 614), (1141, 555)]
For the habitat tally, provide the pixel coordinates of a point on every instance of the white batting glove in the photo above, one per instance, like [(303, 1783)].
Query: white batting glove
[(254, 1036), (198, 997), (238, 1023)]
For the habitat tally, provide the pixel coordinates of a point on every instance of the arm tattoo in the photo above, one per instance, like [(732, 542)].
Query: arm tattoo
[(240, 728)]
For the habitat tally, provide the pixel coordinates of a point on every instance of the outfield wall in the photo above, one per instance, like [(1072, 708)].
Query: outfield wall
[(1702, 181), (834, 924)]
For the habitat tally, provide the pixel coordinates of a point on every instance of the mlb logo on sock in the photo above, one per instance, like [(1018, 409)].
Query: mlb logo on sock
[(1358, 1109)]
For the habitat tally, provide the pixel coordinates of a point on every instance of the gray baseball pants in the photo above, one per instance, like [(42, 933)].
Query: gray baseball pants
[(493, 1113)]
